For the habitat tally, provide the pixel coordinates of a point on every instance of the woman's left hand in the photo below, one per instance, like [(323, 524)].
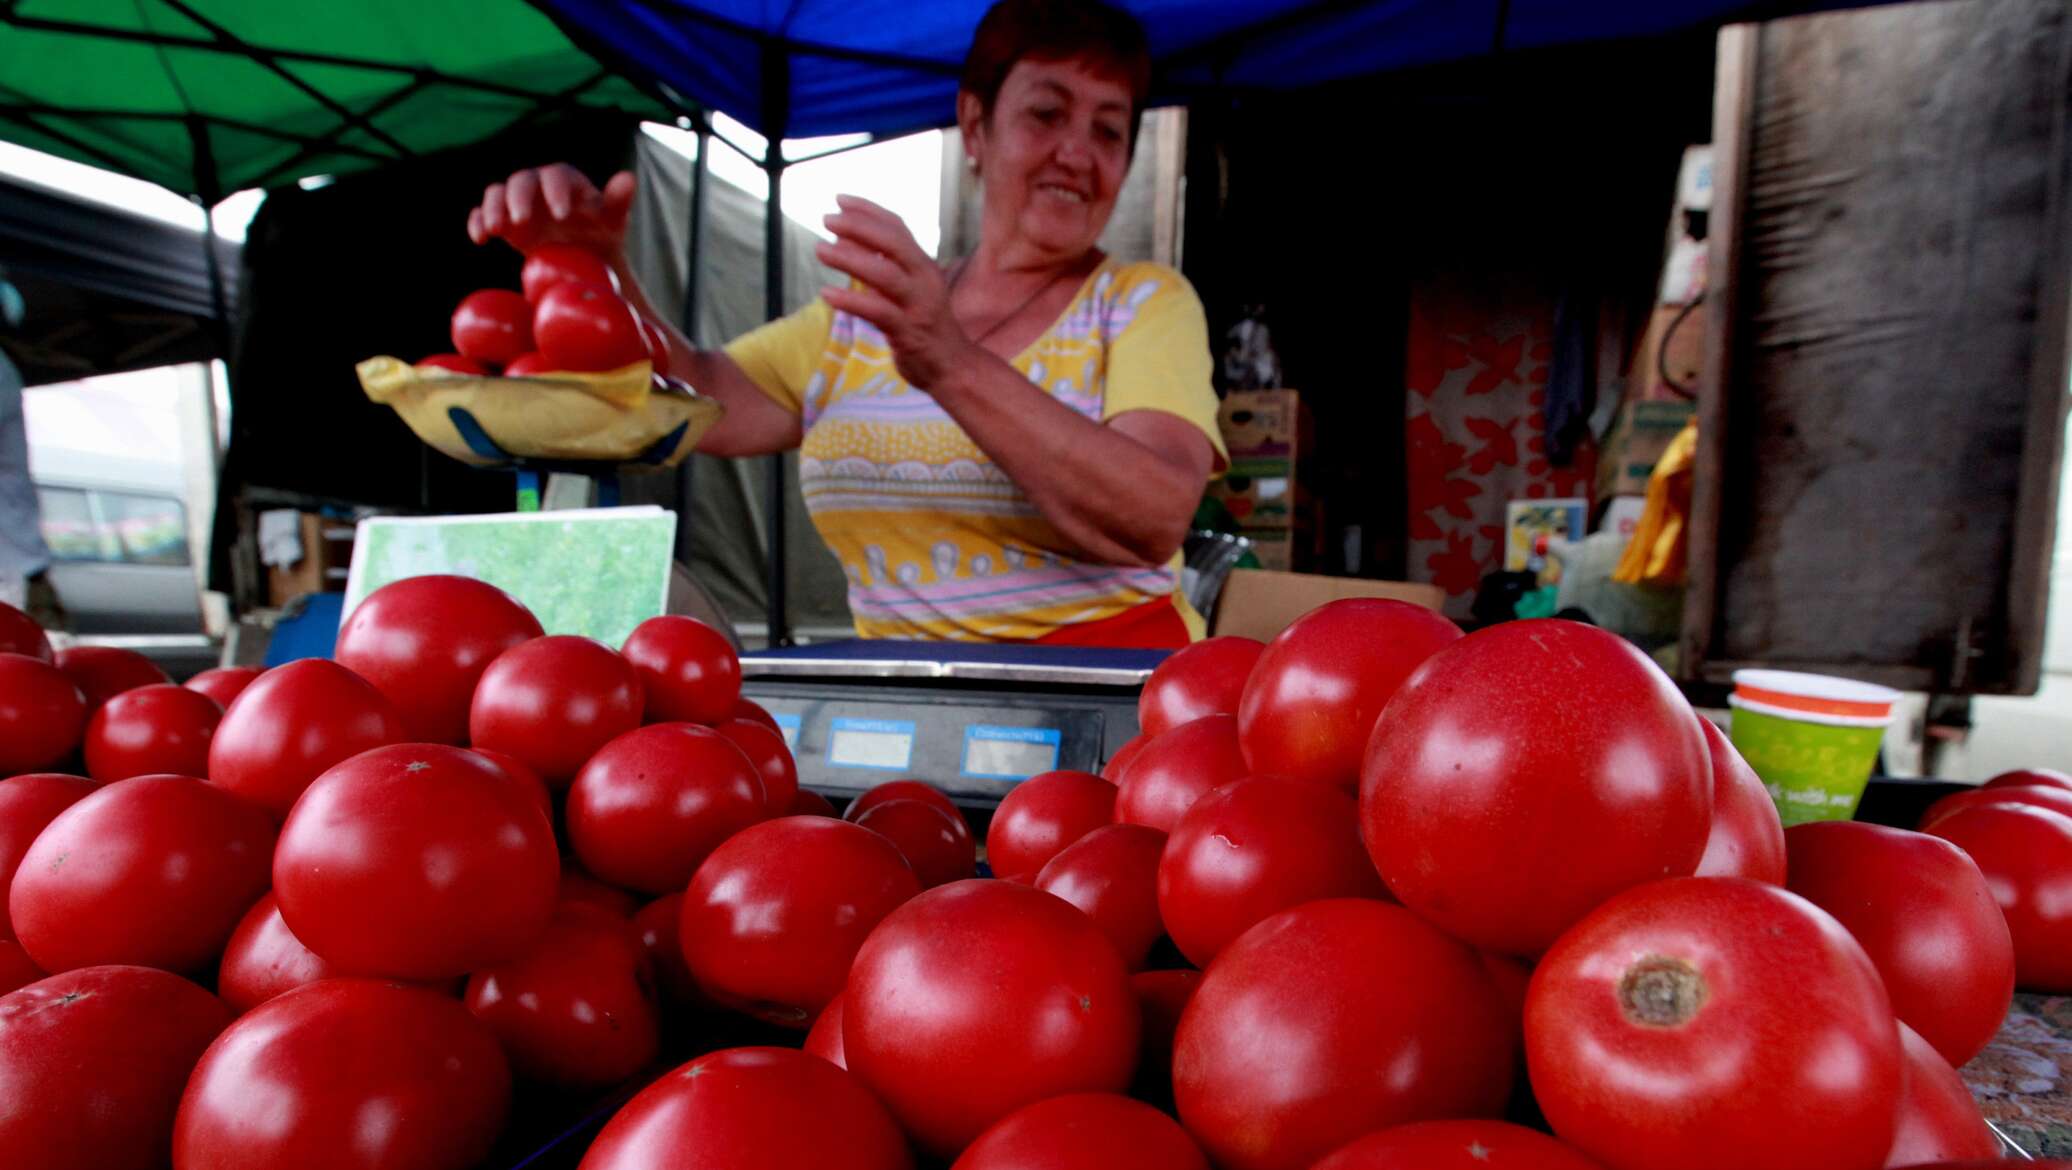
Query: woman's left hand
[(902, 291)]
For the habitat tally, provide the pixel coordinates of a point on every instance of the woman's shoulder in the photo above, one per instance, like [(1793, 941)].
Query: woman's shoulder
[(1125, 291)]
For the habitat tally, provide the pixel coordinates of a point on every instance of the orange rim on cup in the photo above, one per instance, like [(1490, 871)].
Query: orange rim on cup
[(1813, 738)]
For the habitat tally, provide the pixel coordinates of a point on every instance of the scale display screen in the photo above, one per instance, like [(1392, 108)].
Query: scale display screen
[(870, 743), (788, 726), (1010, 753)]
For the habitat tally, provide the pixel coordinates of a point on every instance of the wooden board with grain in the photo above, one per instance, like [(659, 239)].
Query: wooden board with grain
[(1889, 395)]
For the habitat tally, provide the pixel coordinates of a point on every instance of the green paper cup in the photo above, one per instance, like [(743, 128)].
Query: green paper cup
[(1812, 738)]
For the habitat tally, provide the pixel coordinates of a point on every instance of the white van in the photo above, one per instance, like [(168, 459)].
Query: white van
[(122, 555)]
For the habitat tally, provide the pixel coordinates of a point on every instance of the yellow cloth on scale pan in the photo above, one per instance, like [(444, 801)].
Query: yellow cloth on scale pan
[(612, 416), (1656, 553)]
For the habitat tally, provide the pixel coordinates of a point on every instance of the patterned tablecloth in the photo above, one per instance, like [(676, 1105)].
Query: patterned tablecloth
[(2023, 1080)]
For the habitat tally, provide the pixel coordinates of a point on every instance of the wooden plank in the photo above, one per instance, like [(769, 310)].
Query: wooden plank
[(1732, 124), (2028, 585), (1880, 483)]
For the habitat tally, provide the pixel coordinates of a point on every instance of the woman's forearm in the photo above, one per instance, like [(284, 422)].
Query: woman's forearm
[(1116, 498)]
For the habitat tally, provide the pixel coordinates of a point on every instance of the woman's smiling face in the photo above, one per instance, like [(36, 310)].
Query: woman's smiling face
[(1052, 155)]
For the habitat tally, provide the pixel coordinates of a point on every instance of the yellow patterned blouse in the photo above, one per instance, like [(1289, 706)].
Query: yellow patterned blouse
[(936, 541)]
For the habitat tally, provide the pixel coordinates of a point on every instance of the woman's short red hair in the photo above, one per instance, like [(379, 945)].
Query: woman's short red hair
[(1057, 30)]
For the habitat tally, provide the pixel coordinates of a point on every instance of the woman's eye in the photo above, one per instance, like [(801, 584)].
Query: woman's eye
[(1048, 115), (1108, 132)]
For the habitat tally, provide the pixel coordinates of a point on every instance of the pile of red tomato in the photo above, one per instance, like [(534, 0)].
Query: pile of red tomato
[(570, 318), (1374, 896)]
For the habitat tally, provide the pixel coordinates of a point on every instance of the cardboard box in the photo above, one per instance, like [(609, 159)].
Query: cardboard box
[(327, 554), (1266, 432), (1258, 603), (1643, 431), (1685, 357)]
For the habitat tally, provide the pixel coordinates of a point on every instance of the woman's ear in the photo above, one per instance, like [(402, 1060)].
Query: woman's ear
[(971, 124)]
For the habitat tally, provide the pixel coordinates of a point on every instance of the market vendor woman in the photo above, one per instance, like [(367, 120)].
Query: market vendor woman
[(1009, 448)]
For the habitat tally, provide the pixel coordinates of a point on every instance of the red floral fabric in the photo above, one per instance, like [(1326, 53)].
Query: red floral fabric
[(1476, 368)]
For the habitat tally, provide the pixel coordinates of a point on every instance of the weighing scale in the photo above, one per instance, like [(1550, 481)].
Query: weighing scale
[(972, 719)]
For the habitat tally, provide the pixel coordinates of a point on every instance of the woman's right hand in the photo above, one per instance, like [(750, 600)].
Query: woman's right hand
[(554, 204)]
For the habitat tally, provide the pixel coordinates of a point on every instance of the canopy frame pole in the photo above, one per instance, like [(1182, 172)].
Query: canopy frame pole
[(776, 113), (701, 174)]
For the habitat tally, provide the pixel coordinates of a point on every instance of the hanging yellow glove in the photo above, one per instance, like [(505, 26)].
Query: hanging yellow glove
[(1655, 555)]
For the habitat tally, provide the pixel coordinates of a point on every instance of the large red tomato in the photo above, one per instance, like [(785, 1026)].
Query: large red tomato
[(103, 672), (765, 749), (524, 775), (1205, 678), (159, 728), (767, 1108), (92, 1063), (979, 997), (292, 725), (578, 1009), (417, 860), (580, 888), (2047, 796), (1172, 771), (264, 959), (1457, 1145), (657, 925), (937, 844), (1312, 700), (1467, 779), (19, 634), (154, 870), (493, 325), (2026, 777), (754, 712), (775, 915), (809, 803), (17, 969), (1084, 1131), (424, 641), (1112, 875), (1119, 762), (2026, 854), (585, 327), (1714, 1024), (824, 1039), (1042, 815), (549, 264), (1161, 996), (1923, 913), (688, 671), (901, 790), (1296, 1042), (353, 1075), (1747, 837), (1252, 849), (224, 683), (28, 803), (1938, 1120), (42, 715), (654, 802), (553, 702)]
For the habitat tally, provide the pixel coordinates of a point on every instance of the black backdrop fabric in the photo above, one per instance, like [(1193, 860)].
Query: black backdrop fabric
[(371, 264)]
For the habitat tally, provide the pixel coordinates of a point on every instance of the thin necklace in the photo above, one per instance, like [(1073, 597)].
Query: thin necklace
[(996, 326)]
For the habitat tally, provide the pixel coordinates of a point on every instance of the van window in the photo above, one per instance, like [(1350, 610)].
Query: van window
[(149, 530), (68, 526), (116, 527)]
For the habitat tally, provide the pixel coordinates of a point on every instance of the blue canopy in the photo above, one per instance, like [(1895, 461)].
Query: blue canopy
[(801, 68)]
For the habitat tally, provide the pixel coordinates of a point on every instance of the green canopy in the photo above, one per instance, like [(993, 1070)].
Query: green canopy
[(209, 96)]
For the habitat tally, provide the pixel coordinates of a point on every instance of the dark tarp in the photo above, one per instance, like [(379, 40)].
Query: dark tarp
[(107, 290)]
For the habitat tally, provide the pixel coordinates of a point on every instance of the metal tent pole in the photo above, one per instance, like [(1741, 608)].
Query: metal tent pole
[(776, 113)]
